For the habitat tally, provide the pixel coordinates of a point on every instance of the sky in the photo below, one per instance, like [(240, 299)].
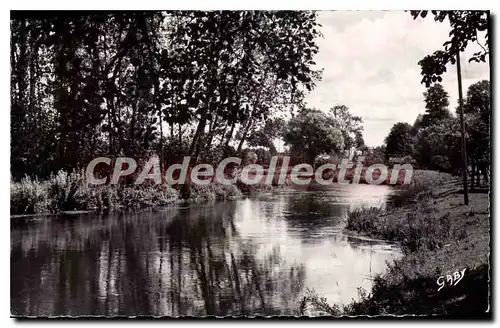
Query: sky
[(370, 64)]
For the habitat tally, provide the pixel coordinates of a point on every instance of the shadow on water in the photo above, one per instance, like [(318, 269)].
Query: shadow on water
[(250, 257)]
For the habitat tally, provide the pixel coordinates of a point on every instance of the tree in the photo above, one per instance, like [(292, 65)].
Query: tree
[(350, 126), (436, 102), (477, 115), (359, 141), (313, 133), (288, 56), (437, 147), (465, 27), (399, 142), (417, 125), (477, 100), (266, 134), (376, 155), (131, 83), (240, 67)]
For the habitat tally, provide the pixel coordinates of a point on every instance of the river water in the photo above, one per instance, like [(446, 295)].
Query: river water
[(255, 256)]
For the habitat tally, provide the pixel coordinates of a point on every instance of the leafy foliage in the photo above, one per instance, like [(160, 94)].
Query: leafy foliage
[(135, 83), (399, 142), (350, 126), (477, 113), (436, 102), (438, 146), (465, 27), (313, 133)]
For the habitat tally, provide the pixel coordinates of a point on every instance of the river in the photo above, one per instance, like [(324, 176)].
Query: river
[(255, 256)]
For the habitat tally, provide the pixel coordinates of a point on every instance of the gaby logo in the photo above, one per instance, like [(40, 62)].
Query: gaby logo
[(451, 280), (229, 171)]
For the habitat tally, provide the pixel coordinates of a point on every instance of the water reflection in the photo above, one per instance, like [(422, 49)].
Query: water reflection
[(250, 257)]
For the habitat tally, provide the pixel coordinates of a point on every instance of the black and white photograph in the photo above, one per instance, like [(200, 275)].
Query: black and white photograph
[(250, 164)]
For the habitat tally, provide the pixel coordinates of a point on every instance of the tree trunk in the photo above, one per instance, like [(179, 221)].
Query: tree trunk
[(473, 173), (245, 133), (32, 95), (230, 135), (180, 137), (197, 135), (462, 131), (211, 132)]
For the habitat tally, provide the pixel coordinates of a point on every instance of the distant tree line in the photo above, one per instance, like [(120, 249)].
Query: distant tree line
[(433, 141)]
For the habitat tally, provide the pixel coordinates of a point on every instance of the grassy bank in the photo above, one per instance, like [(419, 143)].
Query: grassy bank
[(70, 192), (438, 235)]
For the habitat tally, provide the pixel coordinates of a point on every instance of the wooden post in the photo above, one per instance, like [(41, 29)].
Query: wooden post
[(462, 130)]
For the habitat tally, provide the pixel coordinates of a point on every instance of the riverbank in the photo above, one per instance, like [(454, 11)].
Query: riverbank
[(69, 193), (438, 236)]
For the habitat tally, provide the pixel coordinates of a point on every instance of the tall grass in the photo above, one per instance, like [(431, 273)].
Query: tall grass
[(430, 179), (69, 191), (62, 189), (29, 196), (421, 228)]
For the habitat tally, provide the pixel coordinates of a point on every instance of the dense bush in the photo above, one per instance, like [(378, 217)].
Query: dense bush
[(213, 191), (441, 163)]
